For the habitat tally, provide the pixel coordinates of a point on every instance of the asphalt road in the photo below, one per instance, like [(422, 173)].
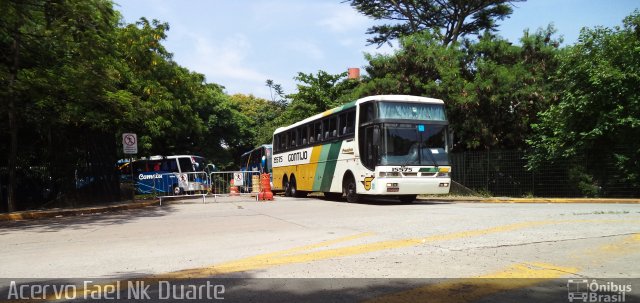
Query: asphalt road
[(415, 244)]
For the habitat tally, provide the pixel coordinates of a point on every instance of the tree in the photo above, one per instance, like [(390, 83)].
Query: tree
[(316, 93), (447, 19), (56, 65), (599, 107), (492, 89), (260, 115), (322, 91)]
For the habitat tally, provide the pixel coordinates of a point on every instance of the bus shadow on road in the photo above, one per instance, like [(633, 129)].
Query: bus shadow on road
[(84, 221), (386, 201)]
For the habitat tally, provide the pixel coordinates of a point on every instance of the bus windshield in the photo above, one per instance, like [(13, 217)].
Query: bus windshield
[(413, 144), (411, 111)]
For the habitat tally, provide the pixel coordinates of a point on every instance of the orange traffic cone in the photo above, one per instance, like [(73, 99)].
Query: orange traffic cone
[(233, 190), (265, 188)]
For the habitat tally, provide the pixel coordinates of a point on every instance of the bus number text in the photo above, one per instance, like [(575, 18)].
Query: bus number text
[(401, 169)]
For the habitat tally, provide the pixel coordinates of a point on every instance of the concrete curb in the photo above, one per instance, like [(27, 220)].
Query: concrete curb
[(41, 214), (562, 200), (533, 200)]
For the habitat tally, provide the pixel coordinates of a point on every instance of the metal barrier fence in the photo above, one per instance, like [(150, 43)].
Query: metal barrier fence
[(245, 183), (200, 184), (174, 185)]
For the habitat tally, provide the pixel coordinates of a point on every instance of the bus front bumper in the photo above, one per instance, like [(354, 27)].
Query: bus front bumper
[(409, 186)]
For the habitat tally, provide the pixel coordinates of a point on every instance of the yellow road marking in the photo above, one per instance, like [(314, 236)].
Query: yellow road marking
[(516, 276), (280, 258), (468, 290), (290, 256)]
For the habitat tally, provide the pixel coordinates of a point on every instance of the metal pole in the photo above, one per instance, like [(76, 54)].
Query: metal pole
[(133, 181)]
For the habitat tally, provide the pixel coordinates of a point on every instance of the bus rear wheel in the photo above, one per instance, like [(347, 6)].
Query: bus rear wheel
[(287, 187), (293, 189)]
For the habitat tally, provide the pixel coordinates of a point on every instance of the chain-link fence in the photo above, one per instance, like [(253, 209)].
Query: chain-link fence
[(496, 173), (505, 173)]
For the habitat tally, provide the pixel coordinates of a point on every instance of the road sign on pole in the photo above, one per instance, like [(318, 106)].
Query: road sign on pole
[(130, 143)]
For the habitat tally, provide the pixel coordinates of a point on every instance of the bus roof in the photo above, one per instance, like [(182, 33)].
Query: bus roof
[(397, 98)]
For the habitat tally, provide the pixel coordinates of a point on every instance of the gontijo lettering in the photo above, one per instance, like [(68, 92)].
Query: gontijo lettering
[(298, 156)]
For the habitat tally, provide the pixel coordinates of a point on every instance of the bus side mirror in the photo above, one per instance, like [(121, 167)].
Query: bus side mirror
[(376, 136), (450, 139), (376, 144), (264, 163)]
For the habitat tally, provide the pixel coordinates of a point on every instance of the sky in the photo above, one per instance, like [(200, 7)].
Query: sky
[(241, 43)]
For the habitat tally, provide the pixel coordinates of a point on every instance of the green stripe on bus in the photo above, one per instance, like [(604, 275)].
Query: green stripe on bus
[(345, 106), (428, 170), (322, 161), (330, 167)]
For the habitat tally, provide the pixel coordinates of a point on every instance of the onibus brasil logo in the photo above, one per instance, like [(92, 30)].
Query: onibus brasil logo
[(584, 291)]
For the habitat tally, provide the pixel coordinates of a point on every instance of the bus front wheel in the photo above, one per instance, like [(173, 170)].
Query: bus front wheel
[(177, 190), (349, 188)]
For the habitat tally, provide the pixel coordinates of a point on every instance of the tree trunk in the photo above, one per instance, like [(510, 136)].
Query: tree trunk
[(13, 157), (13, 121)]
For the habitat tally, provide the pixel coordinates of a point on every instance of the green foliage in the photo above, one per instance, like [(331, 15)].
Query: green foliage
[(598, 112), (316, 93), (492, 89), (321, 91), (75, 79), (448, 20), (260, 114)]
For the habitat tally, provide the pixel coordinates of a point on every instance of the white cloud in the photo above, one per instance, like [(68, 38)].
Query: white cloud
[(343, 18), (224, 60), (307, 48)]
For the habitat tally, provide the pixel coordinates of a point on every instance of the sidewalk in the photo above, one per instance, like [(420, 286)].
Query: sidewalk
[(40, 214)]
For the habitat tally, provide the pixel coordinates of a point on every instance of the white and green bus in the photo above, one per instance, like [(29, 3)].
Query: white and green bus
[(387, 145)]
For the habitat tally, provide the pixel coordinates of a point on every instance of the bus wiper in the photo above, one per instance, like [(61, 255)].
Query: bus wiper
[(433, 159)]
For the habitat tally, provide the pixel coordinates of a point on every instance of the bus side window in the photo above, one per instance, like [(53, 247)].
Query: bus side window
[(342, 124), (286, 140), (292, 137), (282, 141), (318, 131), (304, 134), (351, 121), (332, 131), (276, 143), (366, 113), (325, 128), (170, 165)]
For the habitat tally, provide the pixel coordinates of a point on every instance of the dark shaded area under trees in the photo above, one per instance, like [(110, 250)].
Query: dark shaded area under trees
[(74, 78)]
